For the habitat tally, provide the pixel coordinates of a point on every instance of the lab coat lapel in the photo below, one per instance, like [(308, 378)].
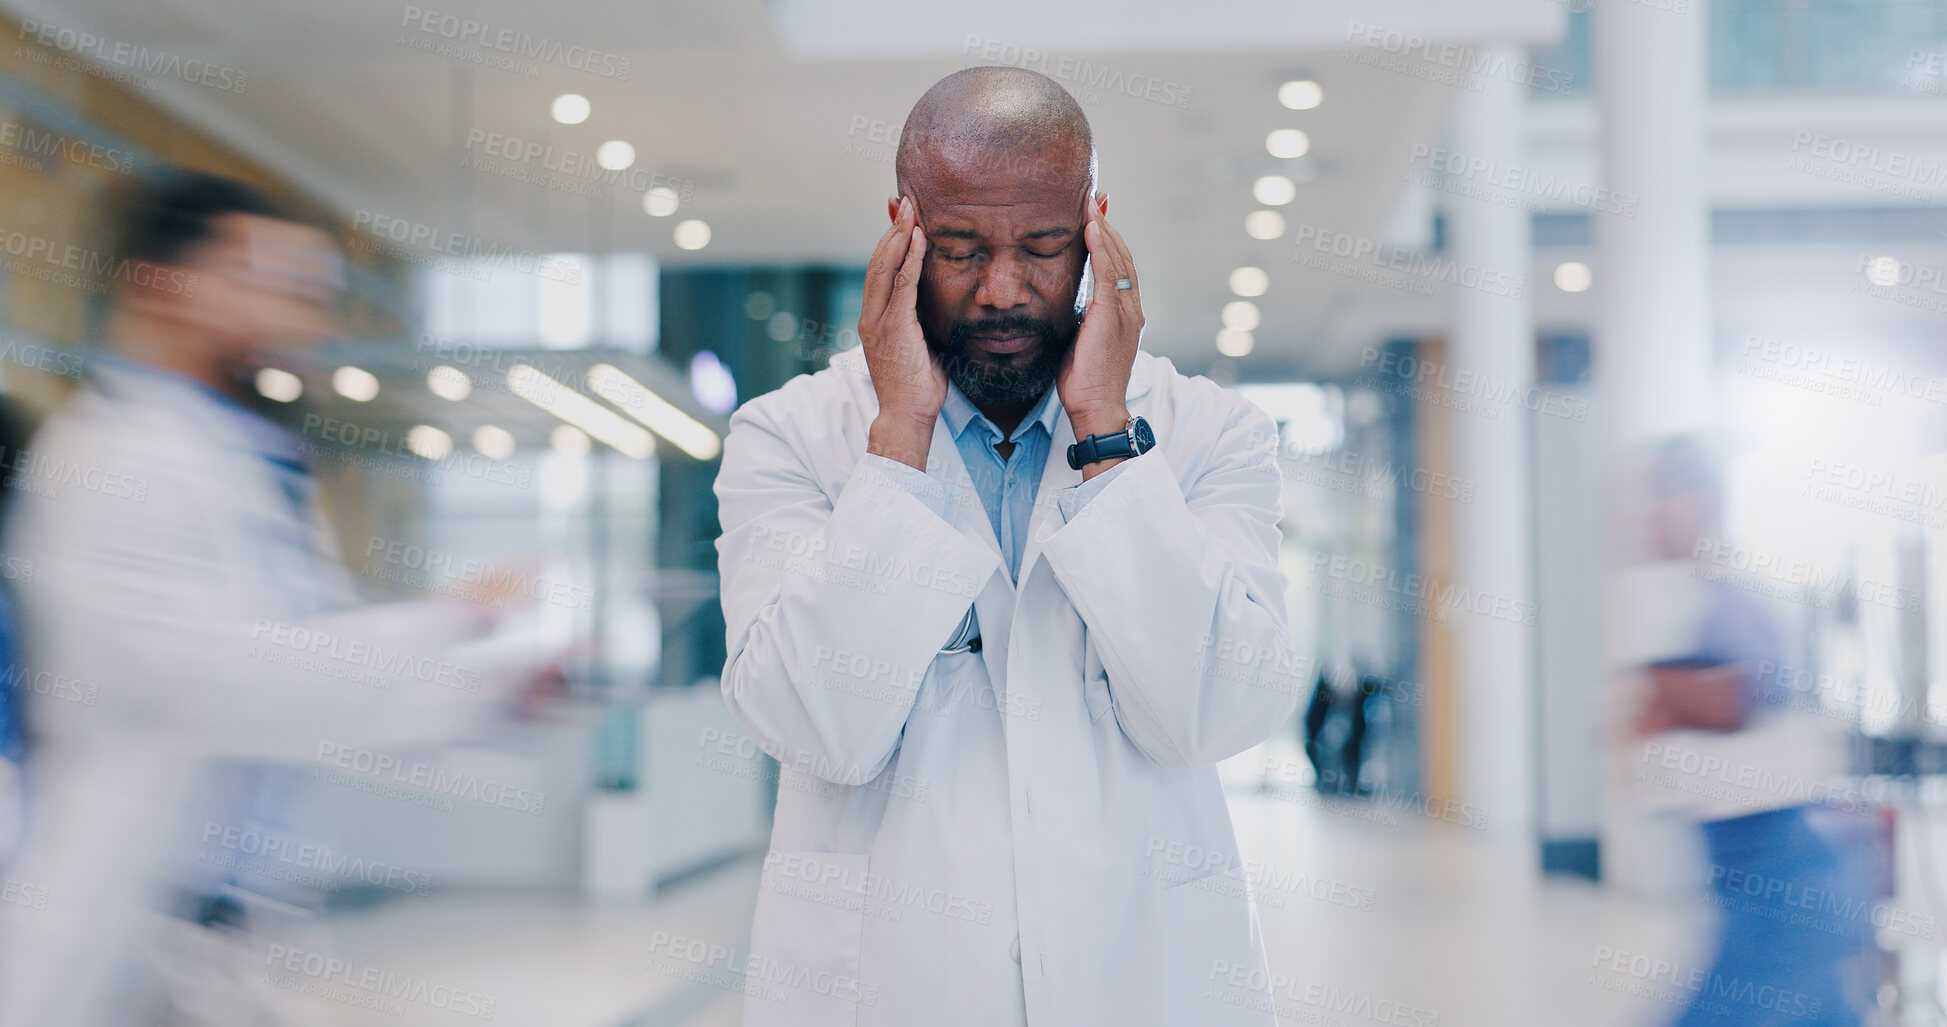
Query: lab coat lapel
[(1057, 475)]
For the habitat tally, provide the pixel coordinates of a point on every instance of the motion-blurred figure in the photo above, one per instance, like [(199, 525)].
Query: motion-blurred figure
[(188, 627), (1726, 745)]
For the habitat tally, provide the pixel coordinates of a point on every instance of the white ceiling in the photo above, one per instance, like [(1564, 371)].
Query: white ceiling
[(758, 103)]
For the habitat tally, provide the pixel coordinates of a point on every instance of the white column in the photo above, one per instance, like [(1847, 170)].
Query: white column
[(1494, 339), (1652, 360)]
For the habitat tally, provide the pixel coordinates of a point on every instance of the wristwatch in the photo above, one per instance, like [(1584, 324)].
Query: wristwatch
[(1134, 439)]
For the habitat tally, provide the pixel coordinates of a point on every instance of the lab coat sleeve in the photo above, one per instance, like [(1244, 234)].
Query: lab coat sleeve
[(135, 606), (1182, 597), (833, 608)]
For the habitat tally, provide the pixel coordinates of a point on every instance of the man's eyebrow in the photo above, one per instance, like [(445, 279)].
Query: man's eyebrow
[(1049, 233), (952, 233)]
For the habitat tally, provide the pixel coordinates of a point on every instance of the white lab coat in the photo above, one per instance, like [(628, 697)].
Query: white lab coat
[(1033, 833), (158, 544)]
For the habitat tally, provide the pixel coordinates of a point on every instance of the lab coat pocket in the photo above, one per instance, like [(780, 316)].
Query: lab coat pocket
[(805, 940), (1095, 682), (1210, 921)]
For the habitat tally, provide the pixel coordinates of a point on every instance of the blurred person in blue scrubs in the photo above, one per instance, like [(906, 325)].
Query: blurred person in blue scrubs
[(200, 639), (1726, 744)]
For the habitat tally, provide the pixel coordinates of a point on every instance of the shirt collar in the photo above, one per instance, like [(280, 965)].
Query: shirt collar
[(171, 388), (960, 413)]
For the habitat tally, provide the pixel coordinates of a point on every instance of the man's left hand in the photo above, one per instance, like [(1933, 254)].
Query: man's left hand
[(1094, 380)]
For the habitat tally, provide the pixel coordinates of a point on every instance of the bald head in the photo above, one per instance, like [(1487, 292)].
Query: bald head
[(980, 124)]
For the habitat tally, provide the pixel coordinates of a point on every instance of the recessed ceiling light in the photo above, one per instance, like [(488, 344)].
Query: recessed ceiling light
[(1249, 281), (279, 384), (1241, 315), (1274, 190), (449, 383), (1573, 276), (659, 202), (615, 155), (1288, 143), (355, 383), (1264, 224), (692, 234), (496, 443), (1234, 342), (1301, 95), (429, 442), (570, 108)]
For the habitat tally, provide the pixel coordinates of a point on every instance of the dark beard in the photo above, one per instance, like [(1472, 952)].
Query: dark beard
[(985, 384)]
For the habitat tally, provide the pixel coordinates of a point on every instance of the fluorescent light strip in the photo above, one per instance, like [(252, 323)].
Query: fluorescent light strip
[(580, 411), (664, 418)]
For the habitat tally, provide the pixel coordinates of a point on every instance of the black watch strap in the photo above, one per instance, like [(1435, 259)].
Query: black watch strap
[(1134, 439)]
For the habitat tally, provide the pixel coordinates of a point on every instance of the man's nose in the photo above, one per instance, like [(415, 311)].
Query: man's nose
[(1003, 283)]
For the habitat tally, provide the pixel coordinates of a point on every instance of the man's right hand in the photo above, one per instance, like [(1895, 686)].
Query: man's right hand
[(907, 377)]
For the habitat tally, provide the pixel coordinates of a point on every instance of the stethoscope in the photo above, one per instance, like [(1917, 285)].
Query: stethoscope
[(966, 639)]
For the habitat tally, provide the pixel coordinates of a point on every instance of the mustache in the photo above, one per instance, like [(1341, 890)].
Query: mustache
[(963, 332)]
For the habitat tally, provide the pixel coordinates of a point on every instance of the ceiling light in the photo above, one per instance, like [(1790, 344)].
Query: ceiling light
[(615, 155), (355, 383), (570, 108), (1249, 281), (1235, 342), (496, 443), (1241, 315), (278, 384), (692, 234), (1301, 95), (1264, 224), (1288, 143), (659, 202), (1573, 276), (1274, 190), (449, 383)]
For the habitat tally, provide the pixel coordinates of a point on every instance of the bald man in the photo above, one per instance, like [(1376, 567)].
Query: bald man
[(1001, 589)]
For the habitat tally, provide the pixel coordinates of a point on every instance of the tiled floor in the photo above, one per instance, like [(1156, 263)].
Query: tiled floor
[(1388, 919)]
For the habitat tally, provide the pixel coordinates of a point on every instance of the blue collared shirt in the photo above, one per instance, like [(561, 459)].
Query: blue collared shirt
[(1007, 488)]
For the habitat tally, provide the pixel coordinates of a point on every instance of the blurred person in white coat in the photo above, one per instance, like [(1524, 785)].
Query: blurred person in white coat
[(998, 666), (194, 627)]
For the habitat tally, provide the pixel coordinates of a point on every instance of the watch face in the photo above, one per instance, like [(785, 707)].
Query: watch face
[(1143, 437)]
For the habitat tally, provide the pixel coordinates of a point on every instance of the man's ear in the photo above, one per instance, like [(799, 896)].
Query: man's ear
[(892, 208), (1102, 204)]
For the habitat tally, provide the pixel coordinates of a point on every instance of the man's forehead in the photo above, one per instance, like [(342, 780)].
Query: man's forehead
[(944, 200)]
